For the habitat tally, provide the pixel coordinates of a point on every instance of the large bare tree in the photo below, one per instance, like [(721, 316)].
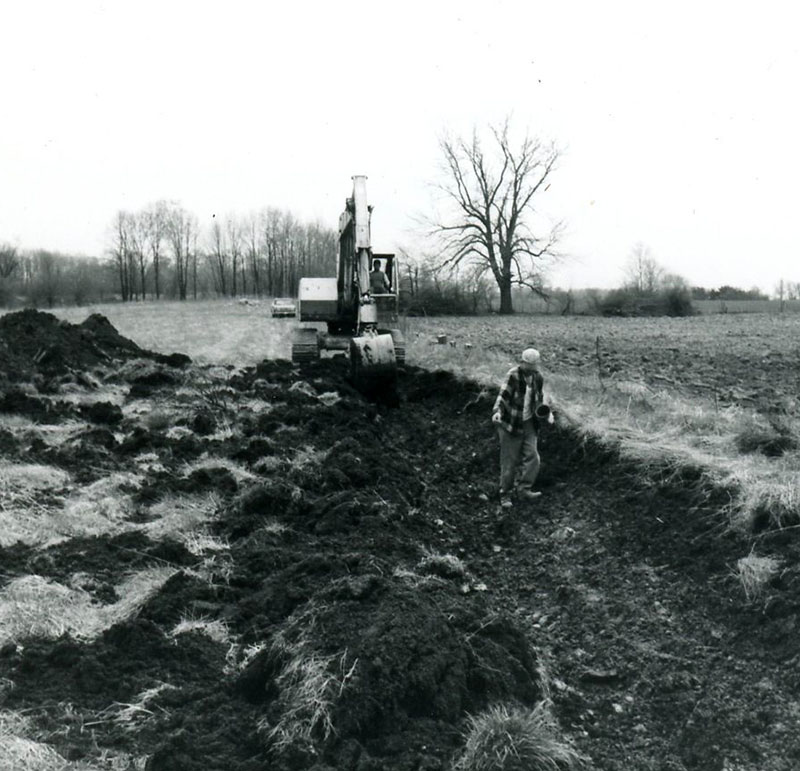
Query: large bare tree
[(492, 220)]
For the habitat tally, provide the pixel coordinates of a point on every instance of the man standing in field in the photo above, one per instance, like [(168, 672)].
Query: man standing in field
[(517, 427)]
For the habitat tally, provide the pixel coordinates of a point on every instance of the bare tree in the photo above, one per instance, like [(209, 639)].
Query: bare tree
[(492, 200), (47, 284), (121, 253), (155, 217), (218, 258), (182, 236), (253, 252), (643, 273), (9, 260), (234, 232), (138, 238)]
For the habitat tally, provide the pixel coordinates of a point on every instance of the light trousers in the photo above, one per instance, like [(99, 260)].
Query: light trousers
[(519, 453)]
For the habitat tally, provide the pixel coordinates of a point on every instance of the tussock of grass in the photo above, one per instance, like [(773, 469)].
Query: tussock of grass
[(512, 738), (309, 685), (237, 470), (132, 715), (238, 658), (755, 573), (414, 579), (444, 565), (772, 438), (306, 458), (200, 543), (32, 606), (214, 629), (175, 515), (768, 493)]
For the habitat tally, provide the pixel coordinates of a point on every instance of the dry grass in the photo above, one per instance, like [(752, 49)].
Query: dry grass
[(755, 573), (32, 606), (443, 565), (214, 629), (200, 543), (53, 435), (28, 503), (309, 685), (21, 749), (516, 738), (181, 515), (131, 716), (29, 478)]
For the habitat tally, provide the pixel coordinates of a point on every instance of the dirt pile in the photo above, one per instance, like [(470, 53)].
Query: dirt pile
[(36, 346)]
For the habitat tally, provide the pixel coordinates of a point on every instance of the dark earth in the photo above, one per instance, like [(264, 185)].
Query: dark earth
[(367, 547)]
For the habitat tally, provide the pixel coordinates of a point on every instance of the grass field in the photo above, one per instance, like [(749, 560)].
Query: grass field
[(669, 392)]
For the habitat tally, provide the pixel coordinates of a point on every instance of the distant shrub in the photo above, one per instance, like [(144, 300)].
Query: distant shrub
[(429, 301), (678, 301), (670, 301)]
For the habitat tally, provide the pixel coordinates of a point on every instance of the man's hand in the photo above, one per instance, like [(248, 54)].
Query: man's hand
[(496, 419)]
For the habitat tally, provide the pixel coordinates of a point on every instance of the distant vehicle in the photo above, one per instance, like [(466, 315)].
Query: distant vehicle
[(283, 306)]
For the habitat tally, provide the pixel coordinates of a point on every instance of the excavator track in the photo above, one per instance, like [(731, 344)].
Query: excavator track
[(305, 346)]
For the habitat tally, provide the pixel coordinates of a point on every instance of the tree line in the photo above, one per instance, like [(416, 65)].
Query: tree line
[(163, 252)]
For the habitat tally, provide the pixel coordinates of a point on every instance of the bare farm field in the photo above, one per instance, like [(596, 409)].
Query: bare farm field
[(213, 559)]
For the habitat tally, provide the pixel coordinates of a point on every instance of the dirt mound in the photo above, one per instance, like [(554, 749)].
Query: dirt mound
[(406, 659), (33, 342)]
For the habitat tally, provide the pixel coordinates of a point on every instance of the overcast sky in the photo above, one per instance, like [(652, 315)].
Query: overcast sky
[(679, 122)]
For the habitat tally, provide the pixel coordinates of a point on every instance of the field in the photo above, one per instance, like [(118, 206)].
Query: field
[(233, 563)]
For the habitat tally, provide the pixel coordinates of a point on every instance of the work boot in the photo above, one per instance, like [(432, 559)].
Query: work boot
[(529, 495)]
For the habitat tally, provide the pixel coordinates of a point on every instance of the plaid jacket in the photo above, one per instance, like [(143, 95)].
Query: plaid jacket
[(511, 399)]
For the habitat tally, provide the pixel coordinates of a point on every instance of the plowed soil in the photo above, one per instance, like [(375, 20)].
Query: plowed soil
[(360, 547)]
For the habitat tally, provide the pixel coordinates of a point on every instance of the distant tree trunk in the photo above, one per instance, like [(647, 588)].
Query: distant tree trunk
[(506, 303)]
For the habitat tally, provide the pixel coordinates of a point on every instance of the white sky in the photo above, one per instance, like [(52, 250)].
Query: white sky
[(679, 121)]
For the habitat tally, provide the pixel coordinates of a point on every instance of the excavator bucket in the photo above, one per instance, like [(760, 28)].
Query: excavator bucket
[(373, 363)]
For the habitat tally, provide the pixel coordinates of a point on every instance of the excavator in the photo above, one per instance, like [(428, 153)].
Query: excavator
[(359, 306)]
